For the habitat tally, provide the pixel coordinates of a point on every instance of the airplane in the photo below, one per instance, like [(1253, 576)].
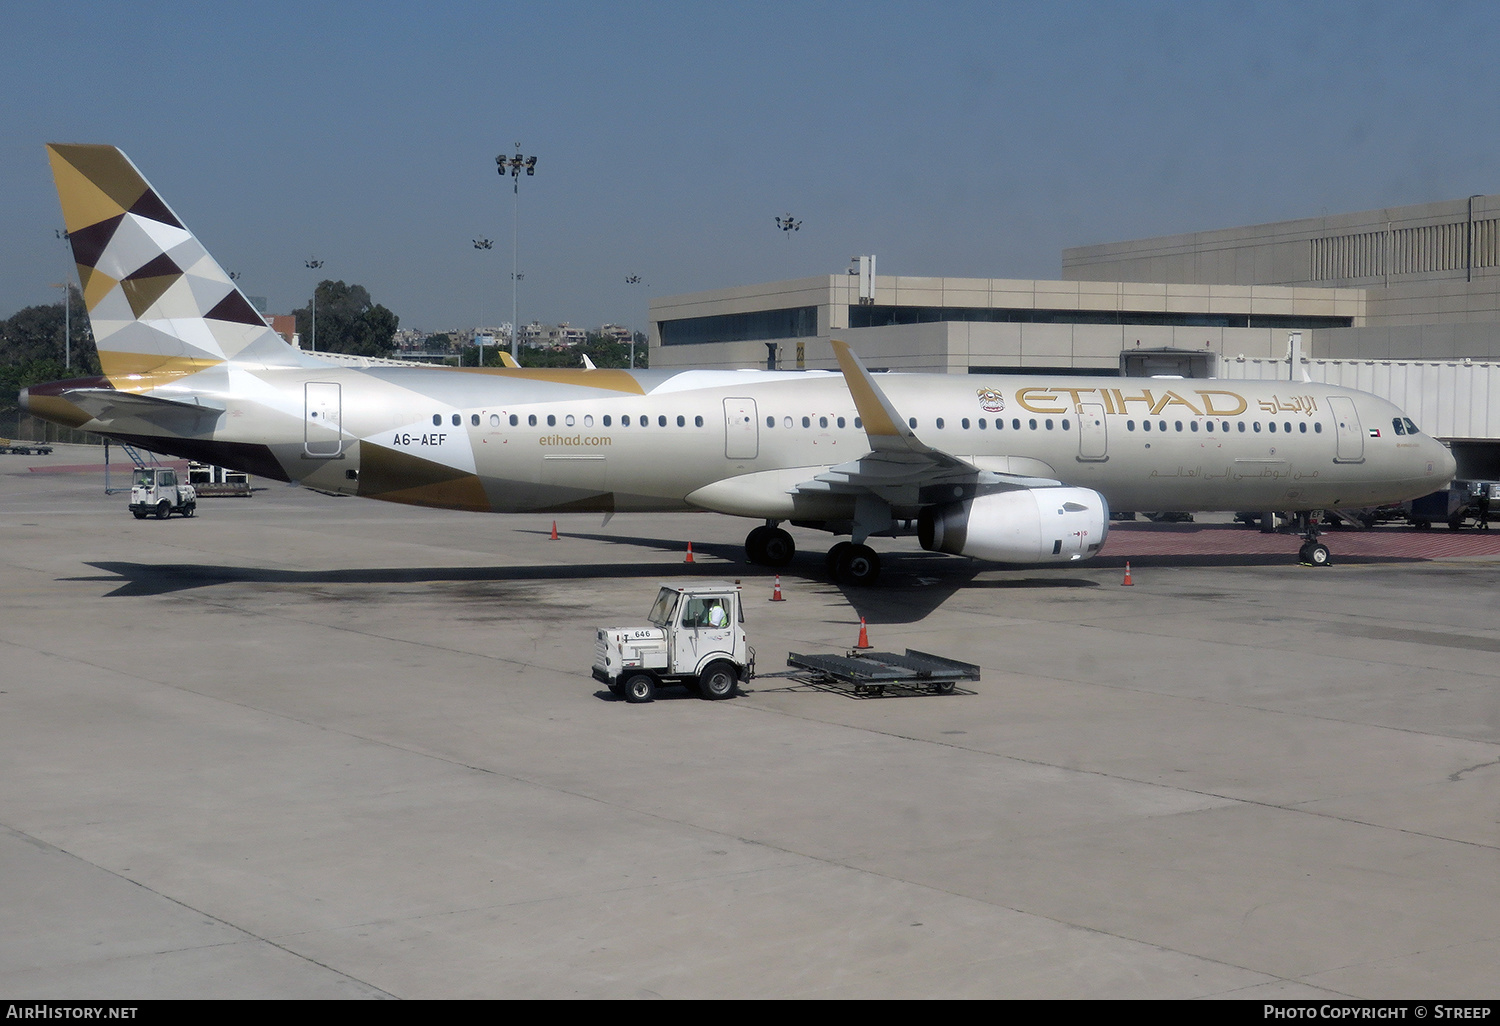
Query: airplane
[(1007, 468)]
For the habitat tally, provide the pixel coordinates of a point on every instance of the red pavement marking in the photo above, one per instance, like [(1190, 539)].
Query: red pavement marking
[(1128, 541), (98, 468)]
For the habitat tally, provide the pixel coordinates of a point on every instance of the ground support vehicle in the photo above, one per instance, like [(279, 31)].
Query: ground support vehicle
[(160, 492), (21, 448), (694, 637), (876, 674)]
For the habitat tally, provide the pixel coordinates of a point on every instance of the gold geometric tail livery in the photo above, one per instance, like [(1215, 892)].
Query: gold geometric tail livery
[(160, 306), (1010, 469)]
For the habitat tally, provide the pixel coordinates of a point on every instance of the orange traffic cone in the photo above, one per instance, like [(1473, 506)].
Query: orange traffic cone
[(690, 553), (864, 637), (1127, 582), (776, 595), (554, 531)]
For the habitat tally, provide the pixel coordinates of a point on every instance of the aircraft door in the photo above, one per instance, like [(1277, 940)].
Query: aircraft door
[(323, 434), (1351, 437), (741, 429), (1093, 443)]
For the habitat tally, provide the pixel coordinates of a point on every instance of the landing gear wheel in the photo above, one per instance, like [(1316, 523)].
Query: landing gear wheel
[(831, 561), (639, 687), (857, 565), (769, 546), (755, 544), (718, 681), (163, 509), (1315, 554), (778, 548)]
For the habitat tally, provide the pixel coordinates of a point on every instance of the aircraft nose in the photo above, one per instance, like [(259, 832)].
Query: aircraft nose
[(1443, 463)]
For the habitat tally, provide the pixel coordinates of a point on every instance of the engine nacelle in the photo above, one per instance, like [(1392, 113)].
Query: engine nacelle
[(1029, 525)]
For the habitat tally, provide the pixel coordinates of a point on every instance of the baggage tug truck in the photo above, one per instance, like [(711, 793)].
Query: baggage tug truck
[(159, 492), (695, 636)]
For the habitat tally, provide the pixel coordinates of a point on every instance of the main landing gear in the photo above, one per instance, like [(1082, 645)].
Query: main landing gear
[(846, 563)]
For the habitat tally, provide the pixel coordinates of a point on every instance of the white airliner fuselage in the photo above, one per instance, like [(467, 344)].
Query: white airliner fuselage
[(1017, 469)]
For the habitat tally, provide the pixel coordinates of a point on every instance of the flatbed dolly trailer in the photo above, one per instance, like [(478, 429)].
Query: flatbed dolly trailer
[(15, 448), (872, 673)]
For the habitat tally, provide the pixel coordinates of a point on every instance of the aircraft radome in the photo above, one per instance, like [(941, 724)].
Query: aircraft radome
[(1012, 469)]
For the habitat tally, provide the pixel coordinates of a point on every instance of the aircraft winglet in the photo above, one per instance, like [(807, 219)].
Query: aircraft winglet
[(885, 427)]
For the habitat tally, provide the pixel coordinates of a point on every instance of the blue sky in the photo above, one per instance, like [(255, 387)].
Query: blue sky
[(947, 138)]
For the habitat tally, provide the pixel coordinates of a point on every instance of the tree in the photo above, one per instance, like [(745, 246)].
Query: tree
[(36, 334), (348, 321)]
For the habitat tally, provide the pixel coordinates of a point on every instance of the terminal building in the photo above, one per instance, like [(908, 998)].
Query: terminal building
[(1403, 302)]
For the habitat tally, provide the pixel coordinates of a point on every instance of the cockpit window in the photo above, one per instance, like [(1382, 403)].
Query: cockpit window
[(1411, 428), (1399, 425)]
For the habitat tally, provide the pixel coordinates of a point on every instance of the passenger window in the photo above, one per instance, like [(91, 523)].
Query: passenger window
[(437, 420), (625, 420), (1286, 426), (981, 423), (1318, 428), (588, 420), (1193, 424), (698, 421), (965, 423), (1257, 427), (913, 422), (1033, 423), (939, 423), (514, 420), (682, 422), (568, 420), (494, 420), (1179, 425), (605, 420), (551, 420), (1272, 427), (859, 422), (1242, 427), (1049, 423), (807, 422), (457, 420), (786, 422), (1065, 425), (531, 420), (661, 421), (822, 422), (1302, 426), (473, 420), (1130, 425), (770, 421), (1145, 425)]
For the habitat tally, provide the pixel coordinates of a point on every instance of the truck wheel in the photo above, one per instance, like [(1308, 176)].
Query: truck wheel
[(139, 514), (718, 681), (163, 509), (639, 687), (190, 509), (616, 687)]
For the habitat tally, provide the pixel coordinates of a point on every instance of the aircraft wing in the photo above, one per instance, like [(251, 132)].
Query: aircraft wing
[(900, 468)]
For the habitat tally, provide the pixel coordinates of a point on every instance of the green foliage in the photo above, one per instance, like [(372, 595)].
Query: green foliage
[(31, 348), (605, 352), (348, 322)]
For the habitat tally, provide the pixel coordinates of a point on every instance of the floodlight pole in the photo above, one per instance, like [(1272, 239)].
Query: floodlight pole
[(314, 265), (513, 165)]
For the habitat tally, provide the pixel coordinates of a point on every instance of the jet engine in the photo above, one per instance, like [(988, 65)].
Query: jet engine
[(1029, 525)]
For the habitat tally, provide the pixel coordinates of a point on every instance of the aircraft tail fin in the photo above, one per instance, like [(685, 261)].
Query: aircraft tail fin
[(160, 306)]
